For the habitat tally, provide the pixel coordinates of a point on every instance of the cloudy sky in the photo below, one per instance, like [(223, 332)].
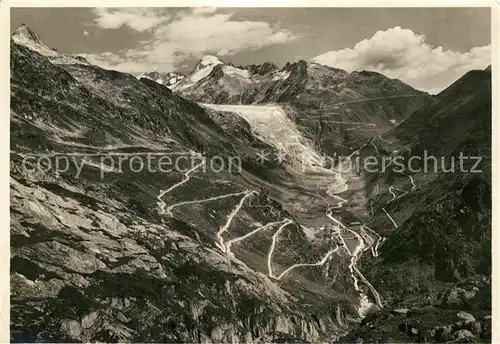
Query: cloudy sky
[(427, 48)]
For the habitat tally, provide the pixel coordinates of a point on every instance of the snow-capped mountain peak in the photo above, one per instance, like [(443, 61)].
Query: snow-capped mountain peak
[(209, 60), (202, 69), (24, 36), (24, 33)]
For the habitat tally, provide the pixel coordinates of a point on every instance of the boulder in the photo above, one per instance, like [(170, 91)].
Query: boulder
[(443, 334), (89, 320), (465, 317), (71, 328), (463, 334)]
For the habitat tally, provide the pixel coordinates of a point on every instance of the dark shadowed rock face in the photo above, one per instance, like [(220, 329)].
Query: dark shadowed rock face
[(261, 69), (442, 245), (461, 313)]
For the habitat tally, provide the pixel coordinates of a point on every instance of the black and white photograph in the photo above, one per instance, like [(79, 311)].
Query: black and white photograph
[(250, 174)]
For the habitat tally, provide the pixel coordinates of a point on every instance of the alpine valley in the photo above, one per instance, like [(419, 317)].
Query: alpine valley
[(287, 248)]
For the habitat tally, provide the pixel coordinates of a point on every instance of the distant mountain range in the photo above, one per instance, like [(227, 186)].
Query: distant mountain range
[(165, 79), (308, 89), (285, 249)]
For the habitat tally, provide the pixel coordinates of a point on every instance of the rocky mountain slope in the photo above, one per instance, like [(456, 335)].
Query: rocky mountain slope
[(103, 251), (436, 261), (283, 249)]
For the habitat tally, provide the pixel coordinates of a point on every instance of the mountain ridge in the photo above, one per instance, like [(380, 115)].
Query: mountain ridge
[(307, 89), (438, 259)]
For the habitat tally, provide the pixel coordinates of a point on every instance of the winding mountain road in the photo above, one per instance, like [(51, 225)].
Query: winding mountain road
[(187, 176), (272, 126)]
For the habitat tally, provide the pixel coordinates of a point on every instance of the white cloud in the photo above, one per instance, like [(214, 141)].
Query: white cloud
[(114, 61), (403, 54), (139, 19), (86, 33), (196, 34), (189, 35)]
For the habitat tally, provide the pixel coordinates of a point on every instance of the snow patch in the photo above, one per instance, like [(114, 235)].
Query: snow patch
[(281, 75), (200, 73), (309, 232), (209, 60), (232, 71), (364, 305)]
